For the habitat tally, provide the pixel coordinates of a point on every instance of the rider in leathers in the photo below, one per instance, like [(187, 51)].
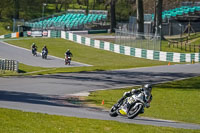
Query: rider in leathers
[(147, 92), (68, 53), (33, 48)]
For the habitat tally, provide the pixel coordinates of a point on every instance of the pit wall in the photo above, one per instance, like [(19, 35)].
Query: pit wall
[(136, 52)]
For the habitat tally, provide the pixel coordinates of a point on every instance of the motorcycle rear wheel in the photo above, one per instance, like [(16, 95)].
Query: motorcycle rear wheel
[(133, 112)]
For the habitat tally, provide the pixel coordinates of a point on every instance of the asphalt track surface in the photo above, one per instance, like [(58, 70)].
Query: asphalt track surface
[(49, 93), (24, 56)]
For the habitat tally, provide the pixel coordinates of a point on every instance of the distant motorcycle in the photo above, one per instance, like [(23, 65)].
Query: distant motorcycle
[(67, 60), (44, 54), (131, 106), (34, 51)]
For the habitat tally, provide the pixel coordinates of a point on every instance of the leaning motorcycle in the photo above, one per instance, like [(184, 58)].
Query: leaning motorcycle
[(131, 106)]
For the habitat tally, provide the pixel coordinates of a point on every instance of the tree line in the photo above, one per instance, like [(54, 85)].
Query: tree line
[(119, 10), (30, 9)]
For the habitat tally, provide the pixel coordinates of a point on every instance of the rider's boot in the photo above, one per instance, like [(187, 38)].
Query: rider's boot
[(142, 111)]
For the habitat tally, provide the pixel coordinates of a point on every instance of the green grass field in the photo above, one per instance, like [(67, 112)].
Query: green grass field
[(169, 97), (178, 100), (13, 121), (100, 59)]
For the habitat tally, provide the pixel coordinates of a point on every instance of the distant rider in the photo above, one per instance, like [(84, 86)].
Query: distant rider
[(68, 53), (146, 89), (45, 49), (34, 49)]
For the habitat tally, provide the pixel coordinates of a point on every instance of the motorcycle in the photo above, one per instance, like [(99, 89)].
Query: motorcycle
[(44, 54), (67, 60), (34, 51), (131, 106)]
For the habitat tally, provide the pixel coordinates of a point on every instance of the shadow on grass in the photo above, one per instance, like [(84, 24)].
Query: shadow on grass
[(21, 71)]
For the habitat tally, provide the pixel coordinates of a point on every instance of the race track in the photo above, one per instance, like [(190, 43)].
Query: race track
[(47, 93), (24, 56)]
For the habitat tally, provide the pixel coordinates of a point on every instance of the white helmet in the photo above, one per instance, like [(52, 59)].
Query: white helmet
[(147, 87)]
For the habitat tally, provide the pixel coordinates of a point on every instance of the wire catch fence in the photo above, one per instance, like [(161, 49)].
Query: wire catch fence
[(138, 40)]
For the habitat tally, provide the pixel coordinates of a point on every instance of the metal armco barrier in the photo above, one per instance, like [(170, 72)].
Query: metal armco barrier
[(10, 65)]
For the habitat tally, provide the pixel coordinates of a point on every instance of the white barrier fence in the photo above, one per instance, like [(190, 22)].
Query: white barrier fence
[(10, 65), (136, 52), (127, 50)]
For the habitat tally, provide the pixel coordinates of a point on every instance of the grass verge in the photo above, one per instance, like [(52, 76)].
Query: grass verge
[(177, 100), (7, 72), (100, 59), (13, 121), (193, 41)]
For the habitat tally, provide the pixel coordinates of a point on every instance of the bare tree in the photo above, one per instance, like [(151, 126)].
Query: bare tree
[(61, 3), (16, 9), (94, 3), (112, 15), (78, 1), (158, 18), (140, 16), (87, 4)]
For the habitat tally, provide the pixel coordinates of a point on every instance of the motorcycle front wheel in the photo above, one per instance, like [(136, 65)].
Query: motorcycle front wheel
[(113, 112), (133, 112)]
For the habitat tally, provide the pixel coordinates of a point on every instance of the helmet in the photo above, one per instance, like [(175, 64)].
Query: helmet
[(68, 50), (147, 87)]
